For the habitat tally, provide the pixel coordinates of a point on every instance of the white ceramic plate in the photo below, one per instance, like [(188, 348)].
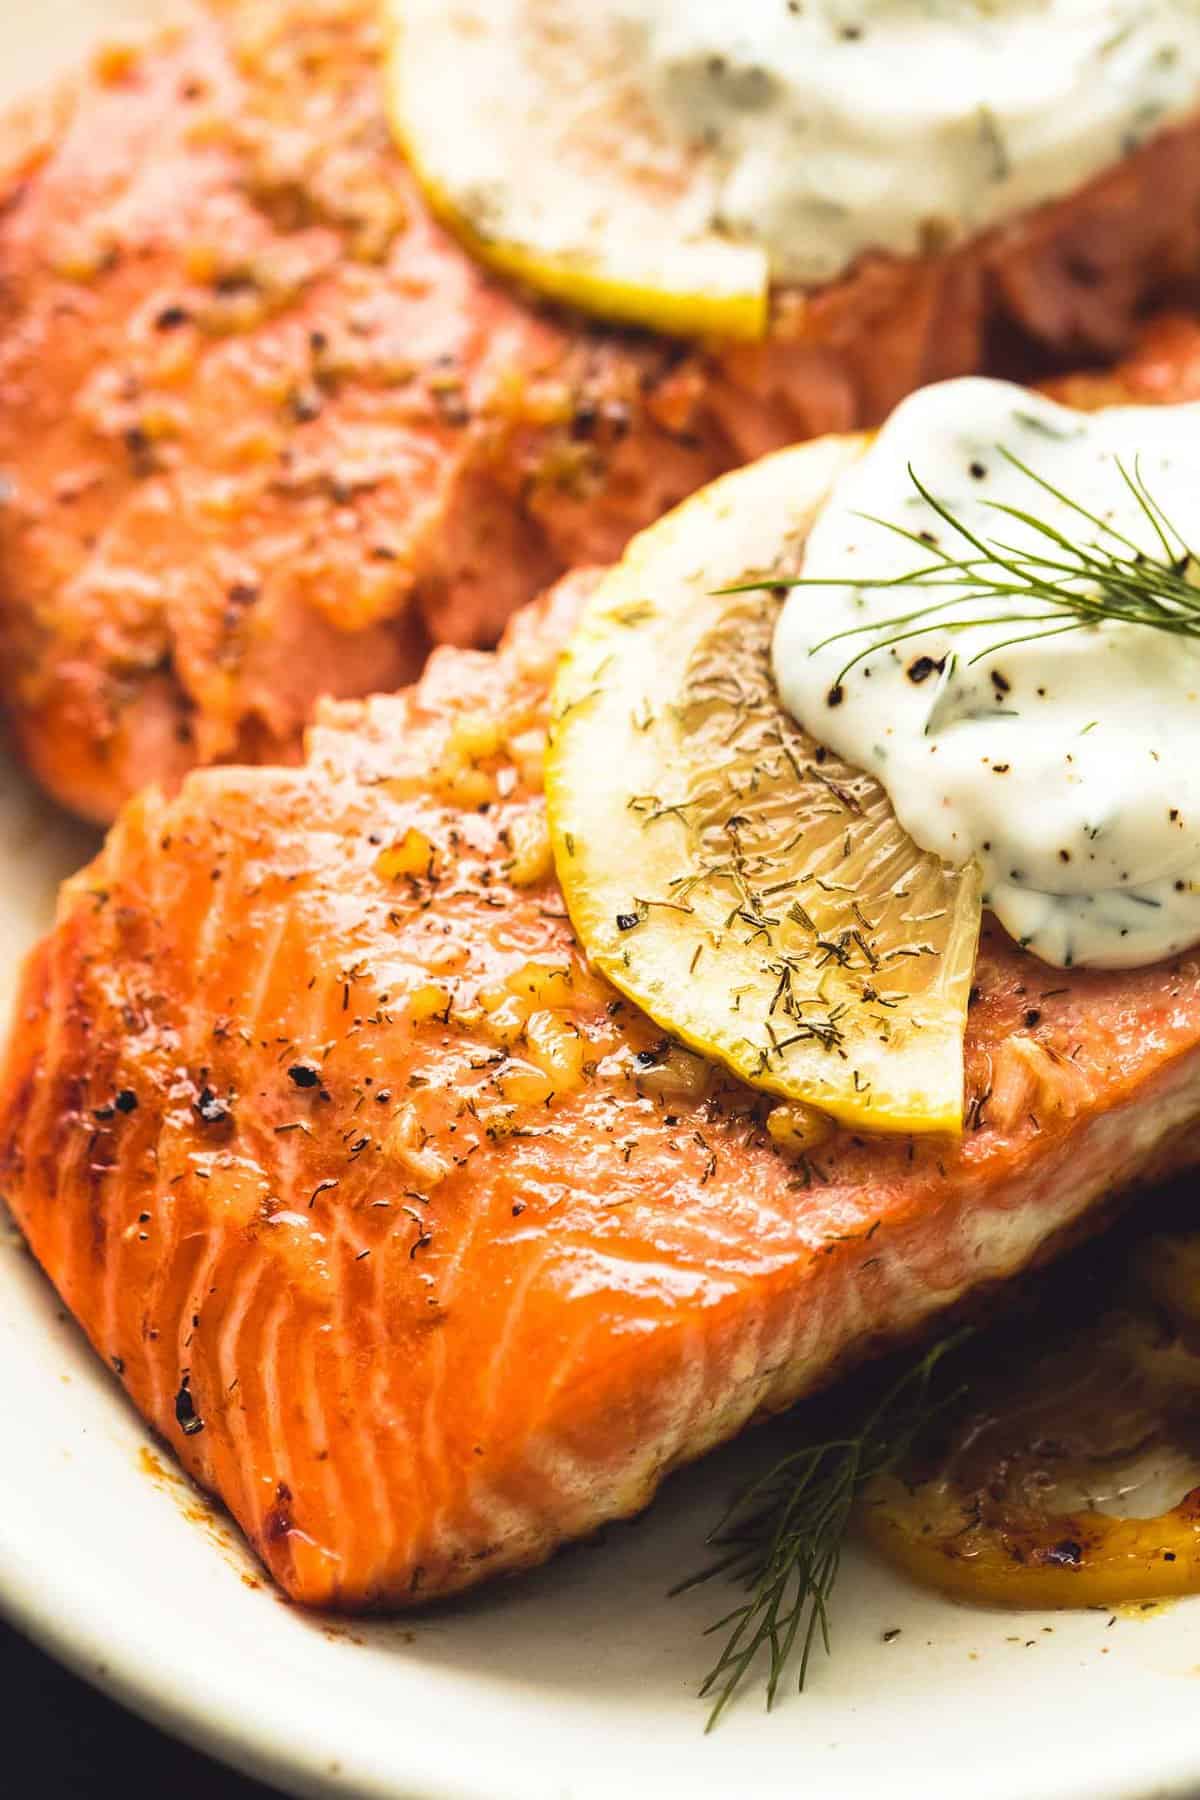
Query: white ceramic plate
[(578, 1683)]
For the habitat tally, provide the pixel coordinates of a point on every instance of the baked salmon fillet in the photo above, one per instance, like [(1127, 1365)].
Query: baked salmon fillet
[(422, 1248), (267, 433), (1161, 368)]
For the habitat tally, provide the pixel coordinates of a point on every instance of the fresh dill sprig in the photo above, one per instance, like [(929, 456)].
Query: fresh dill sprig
[(1070, 585), (781, 1537)]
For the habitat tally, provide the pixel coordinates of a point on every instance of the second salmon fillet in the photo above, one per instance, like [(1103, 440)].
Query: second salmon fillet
[(267, 433), (422, 1248)]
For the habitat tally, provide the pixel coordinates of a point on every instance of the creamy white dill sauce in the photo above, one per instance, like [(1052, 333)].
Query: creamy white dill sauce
[(1069, 768), (838, 126)]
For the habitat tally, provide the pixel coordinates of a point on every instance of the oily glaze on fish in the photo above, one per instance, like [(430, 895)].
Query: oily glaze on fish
[(266, 433), (1161, 368), (418, 1244)]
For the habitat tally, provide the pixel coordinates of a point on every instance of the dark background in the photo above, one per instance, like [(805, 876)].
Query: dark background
[(85, 1748)]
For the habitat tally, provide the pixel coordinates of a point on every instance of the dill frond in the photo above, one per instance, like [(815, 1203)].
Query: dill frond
[(781, 1537), (1054, 585)]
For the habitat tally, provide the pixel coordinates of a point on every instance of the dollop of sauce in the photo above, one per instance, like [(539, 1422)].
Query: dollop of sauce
[(1067, 765), (831, 127)]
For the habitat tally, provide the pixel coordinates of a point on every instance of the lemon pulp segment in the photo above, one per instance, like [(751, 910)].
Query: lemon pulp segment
[(752, 892)]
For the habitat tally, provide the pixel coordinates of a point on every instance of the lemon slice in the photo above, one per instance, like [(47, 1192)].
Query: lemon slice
[(532, 144), (749, 890)]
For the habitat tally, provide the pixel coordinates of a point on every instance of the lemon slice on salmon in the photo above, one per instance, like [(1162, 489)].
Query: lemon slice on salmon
[(533, 144), (748, 889)]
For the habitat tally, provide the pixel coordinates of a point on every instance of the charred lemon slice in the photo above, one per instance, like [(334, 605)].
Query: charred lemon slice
[(1065, 1470), (752, 892), (532, 145)]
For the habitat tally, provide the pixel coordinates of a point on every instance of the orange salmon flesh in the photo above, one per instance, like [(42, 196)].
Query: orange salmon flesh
[(415, 1241), (267, 433)]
